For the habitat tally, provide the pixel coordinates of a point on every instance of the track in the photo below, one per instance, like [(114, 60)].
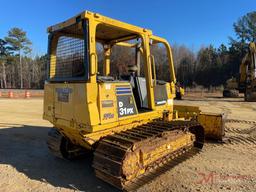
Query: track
[(54, 142), (169, 163), (60, 146), (113, 151)]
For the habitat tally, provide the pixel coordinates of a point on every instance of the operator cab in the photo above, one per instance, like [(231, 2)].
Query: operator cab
[(120, 59), (113, 56)]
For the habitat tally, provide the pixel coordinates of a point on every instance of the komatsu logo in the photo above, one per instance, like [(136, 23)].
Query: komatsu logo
[(123, 110)]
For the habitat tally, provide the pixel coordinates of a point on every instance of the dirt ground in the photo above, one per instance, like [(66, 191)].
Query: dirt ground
[(26, 165)]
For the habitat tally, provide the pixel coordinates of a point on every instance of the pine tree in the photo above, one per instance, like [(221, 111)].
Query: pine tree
[(20, 44)]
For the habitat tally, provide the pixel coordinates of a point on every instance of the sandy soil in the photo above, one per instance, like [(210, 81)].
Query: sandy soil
[(26, 165)]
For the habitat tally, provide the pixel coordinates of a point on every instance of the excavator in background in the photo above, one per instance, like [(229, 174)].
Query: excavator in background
[(129, 122), (232, 88), (250, 83), (246, 82)]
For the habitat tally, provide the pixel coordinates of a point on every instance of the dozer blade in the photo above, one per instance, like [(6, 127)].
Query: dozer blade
[(213, 123), (125, 159)]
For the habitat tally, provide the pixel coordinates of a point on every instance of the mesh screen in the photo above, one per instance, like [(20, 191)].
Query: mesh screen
[(70, 57)]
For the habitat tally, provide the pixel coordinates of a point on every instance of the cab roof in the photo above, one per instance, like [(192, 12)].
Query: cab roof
[(106, 28)]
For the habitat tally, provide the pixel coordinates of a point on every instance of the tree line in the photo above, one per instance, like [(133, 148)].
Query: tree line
[(18, 69), (210, 66)]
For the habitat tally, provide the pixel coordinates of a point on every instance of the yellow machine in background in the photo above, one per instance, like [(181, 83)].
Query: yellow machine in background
[(231, 88), (250, 74), (180, 92), (128, 120), (246, 82)]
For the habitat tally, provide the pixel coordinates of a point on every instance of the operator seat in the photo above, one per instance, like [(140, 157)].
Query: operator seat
[(139, 88)]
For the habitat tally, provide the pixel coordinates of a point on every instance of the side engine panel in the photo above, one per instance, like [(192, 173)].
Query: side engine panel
[(68, 105), (116, 101)]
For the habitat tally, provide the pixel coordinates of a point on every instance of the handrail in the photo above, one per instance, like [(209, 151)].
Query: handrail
[(93, 69), (154, 68)]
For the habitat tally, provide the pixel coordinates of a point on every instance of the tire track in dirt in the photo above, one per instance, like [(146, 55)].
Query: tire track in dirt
[(235, 134), (238, 133)]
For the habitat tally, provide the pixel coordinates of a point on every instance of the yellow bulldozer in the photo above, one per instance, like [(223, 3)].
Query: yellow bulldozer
[(129, 120), (246, 82)]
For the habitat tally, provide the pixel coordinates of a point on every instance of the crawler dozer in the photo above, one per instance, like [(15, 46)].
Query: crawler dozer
[(246, 82), (121, 111)]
